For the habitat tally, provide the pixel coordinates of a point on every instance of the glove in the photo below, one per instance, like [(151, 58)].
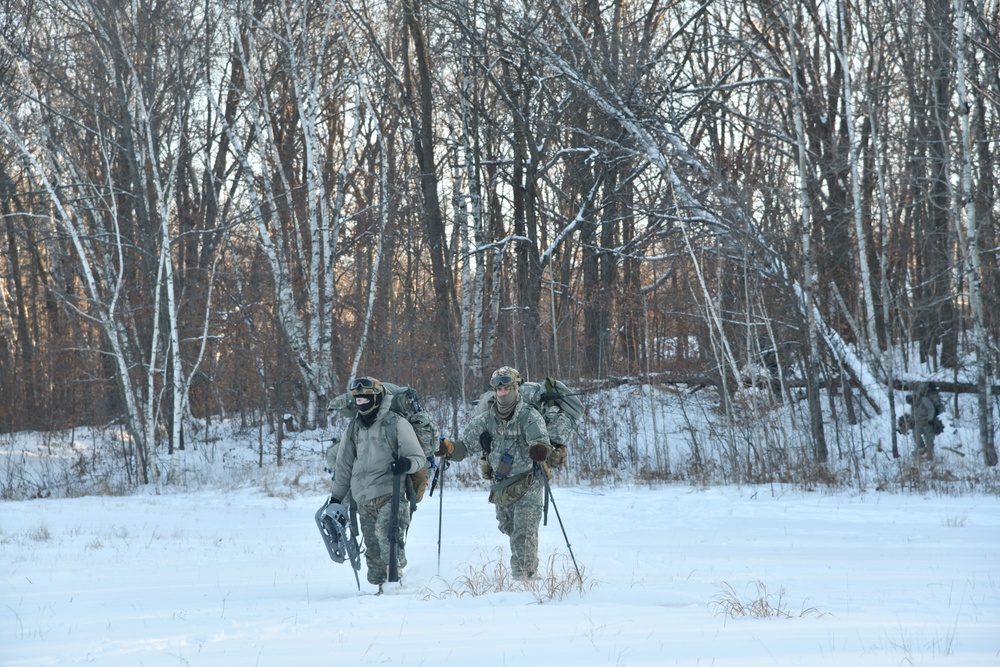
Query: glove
[(445, 448), (538, 452), (334, 500), (399, 465), (557, 456), (419, 480)]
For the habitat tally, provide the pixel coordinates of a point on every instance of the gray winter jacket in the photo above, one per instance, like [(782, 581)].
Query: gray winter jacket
[(363, 460), (924, 412)]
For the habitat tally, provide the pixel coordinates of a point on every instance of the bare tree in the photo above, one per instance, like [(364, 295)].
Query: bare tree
[(103, 154), (283, 142), (969, 245)]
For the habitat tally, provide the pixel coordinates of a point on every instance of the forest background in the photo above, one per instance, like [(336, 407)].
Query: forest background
[(225, 210)]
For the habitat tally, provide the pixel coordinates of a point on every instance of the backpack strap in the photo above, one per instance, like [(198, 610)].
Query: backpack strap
[(351, 433), (391, 423), (550, 388), (389, 429)]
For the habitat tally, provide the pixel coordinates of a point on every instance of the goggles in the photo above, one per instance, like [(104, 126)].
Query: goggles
[(365, 386), (501, 381)]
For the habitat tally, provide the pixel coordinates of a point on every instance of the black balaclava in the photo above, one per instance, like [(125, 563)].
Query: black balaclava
[(370, 391), (370, 414)]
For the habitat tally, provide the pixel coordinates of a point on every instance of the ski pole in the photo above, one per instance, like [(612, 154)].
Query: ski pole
[(437, 475), (548, 490), (440, 474), (394, 531), (545, 507), (355, 551)]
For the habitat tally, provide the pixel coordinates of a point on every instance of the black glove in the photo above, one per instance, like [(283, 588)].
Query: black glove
[(399, 466), (334, 501)]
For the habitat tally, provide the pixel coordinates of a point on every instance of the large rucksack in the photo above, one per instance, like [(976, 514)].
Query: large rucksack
[(406, 404), (560, 407), (936, 424), (936, 400)]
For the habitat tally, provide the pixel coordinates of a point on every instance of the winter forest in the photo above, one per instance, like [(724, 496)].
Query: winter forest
[(225, 210)]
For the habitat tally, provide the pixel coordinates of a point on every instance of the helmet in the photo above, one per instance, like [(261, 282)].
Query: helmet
[(370, 391), (366, 386), (505, 375)]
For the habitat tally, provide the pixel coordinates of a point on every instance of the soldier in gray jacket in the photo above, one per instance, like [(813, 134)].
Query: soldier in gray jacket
[(925, 405), (513, 438), (376, 445)]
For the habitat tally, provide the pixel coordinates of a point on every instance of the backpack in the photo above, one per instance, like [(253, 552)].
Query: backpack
[(560, 407), (936, 425), (936, 400), (406, 404)]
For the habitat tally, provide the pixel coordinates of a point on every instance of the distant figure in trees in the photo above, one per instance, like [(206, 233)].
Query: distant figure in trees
[(925, 406)]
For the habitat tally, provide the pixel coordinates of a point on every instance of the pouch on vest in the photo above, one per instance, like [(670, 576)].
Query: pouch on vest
[(511, 489), (506, 462)]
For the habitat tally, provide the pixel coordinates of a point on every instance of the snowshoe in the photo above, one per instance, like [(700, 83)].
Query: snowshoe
[(333, 521)]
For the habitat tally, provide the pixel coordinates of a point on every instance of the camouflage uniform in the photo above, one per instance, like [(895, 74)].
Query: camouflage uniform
[(519, 495), (560, 426), (561, 430)]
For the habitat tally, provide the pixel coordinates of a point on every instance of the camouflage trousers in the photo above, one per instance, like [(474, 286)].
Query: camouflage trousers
[(374, 518), (519, 521)]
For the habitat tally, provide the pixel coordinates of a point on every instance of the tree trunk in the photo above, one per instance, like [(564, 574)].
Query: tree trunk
[(970, 248), (420, 92), (812, 356)]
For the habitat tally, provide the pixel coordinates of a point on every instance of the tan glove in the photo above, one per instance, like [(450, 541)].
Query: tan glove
[(419, 480), (485, 469), (557, 456), (445, 448)]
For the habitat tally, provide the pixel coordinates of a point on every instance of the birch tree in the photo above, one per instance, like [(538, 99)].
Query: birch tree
[(102, 148), (812, 349), (969, 243), (844, 55), (284, 145), (697, 192)]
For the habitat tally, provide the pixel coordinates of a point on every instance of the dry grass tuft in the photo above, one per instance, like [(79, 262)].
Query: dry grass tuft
[(556, 579), (40, 534), (759, 604)]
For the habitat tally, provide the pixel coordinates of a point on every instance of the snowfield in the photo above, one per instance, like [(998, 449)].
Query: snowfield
[(673, 575)]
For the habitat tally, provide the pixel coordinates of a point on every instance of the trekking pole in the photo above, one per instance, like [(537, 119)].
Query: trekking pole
[(354, 549), (394, 531), (440, 474), (548, 490), (545, 507), (545, 502), (437, 475)]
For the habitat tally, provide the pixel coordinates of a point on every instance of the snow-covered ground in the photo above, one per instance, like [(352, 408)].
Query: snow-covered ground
[(241, 578), (223, 565)]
